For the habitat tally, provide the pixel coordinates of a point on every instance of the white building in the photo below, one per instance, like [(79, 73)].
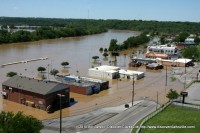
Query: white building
[(108, 72), (112, 72), (131, 74), (163, 49), (189, 41)]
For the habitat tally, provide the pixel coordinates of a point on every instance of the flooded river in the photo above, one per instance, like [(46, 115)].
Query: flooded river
[(78, 51)]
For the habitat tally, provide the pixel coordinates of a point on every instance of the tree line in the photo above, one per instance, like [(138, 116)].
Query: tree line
[(129, 43), (49, 28), (47, 33)]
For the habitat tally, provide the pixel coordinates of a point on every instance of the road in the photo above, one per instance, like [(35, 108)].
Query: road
[(124, 121), (104, 119)]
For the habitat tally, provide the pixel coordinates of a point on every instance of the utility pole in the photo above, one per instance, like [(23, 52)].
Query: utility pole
[(166, 77), (185, 75), (166, 81), (157, 101), (60, 96), (133, 91)]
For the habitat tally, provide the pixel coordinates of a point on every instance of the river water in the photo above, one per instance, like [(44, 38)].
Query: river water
[(78, 51)]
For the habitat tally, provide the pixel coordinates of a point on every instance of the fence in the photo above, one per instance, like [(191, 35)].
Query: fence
[(187, 105)]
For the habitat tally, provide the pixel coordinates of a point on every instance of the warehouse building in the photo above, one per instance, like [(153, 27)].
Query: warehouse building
[(112, 72), (104, 72), (35, 93)]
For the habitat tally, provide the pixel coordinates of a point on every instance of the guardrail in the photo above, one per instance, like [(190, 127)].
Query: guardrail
[(186, 105), (152, 115)]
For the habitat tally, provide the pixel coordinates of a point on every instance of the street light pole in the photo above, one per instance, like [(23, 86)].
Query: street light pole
[(60, 96), (133, 91), (185, 75)]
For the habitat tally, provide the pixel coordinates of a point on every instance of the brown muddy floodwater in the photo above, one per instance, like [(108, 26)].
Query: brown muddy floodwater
[(78, 51)]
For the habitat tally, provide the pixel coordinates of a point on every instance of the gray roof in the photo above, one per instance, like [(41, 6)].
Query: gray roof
[(34, 85)]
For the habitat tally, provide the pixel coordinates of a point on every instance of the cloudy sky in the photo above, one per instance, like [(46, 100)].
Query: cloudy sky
[(162, 10)]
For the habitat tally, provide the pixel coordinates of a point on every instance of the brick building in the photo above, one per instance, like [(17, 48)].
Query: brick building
[(36, 93)]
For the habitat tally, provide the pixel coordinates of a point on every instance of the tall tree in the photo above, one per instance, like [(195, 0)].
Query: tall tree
[(54, 72), (10, 123), (95, 58), (65, 63), (41, 69)]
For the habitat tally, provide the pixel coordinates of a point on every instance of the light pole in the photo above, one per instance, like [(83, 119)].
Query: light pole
[(133, 91), (185, 75), (60, 95)]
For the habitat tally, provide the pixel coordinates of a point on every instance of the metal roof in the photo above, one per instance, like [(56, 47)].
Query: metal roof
[(34, 85)]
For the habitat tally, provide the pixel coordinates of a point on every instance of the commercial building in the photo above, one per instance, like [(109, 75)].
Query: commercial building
[(77, 85), (131, 74), (112, 72), (189, 41), (104, 72), (35, 93), (181, 62), (162, 49)]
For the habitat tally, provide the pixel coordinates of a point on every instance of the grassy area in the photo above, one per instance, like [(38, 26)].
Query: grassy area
[(175, 116)]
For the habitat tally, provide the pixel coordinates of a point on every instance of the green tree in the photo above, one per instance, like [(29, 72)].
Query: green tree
[(192, 52), (41, 69), (105, 55), (105, 50), (10, 123), (101, 49), (162, 40), (54, 72), (172, 94), (113, 45), (11, 74), (181, 37), (4, 36), (197, 40), (95, 58), (65, 63)]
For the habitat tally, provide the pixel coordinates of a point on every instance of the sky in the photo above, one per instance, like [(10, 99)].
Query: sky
[(160, 10)]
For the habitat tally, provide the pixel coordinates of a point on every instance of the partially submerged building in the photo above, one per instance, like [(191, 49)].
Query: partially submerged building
[(131, 74), (104, 72), (113, 72), (161, 51), (82, 87), (181, 62), (35, 93)]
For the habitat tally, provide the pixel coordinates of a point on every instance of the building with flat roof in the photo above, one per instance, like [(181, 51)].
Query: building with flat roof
[(35, 93), (189, 41), (84, 85), (104, 72), (131, 74), (181, 62), (162, 49), (112, 72)]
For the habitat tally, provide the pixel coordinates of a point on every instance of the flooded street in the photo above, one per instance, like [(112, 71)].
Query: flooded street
[(78, 51)]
